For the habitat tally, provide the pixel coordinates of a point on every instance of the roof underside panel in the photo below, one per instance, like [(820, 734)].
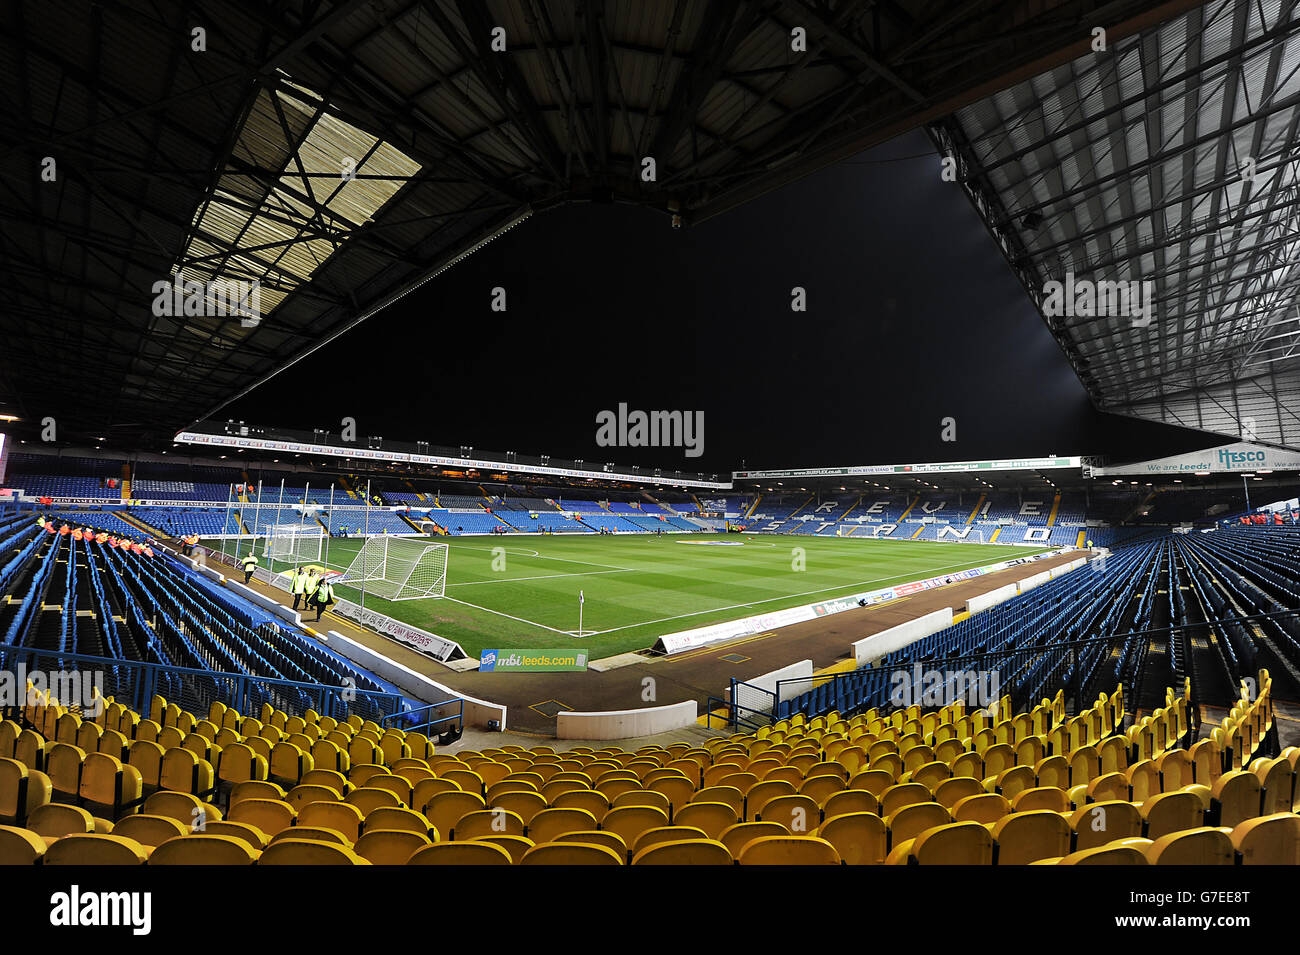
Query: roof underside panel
[(220, 157), (1167, 163)]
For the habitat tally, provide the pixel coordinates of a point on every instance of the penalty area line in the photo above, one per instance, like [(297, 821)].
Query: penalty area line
[(531, 623)]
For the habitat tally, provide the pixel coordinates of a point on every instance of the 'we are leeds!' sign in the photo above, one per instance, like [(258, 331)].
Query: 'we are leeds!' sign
[(531, 661)]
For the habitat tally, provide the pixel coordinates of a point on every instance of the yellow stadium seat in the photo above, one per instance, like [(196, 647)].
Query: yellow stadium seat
[(517, 846), (1025, 837), (1277, 784), (63, 765), (1236, 795), (710, 817), (399, 786), (485, 822), (339, 816), (183, 772), (1269, 840), (630, 821), (313, 834), (860, 838), (687, 852), (549, 824), (1143, 780), (849, 801), (1199, 847), (611, 840), (1098, 823), (789, 850), (1176, 770), (911, 821), (184, 807), (958, 843), (1165, 813), (309, 852), (150, 831), (389, 846), (304, 794), (269, 815), (461, 853), (95, 849), (21, 790), (570, 853), (254, 837), (255, 789), (666, 834), (399, 817), (56, 820), (20, 846), (1041, 797), (985, 808)]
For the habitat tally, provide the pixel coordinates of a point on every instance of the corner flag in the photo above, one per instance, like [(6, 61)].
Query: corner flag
[(581, 598)]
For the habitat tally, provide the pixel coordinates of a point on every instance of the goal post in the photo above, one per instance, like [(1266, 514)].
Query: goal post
[(398, 568), (295, 544)]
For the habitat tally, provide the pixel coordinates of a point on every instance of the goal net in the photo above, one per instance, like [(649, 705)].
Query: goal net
[(398, 568), (295, 544)]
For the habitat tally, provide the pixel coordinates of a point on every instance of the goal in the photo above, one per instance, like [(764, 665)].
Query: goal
[(398, 568), (295, 544)]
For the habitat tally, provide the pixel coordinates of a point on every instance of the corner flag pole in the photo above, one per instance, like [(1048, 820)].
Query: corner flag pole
[(581, 600)]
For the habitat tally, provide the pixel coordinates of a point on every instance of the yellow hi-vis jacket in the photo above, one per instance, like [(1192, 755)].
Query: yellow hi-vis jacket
[(250, 562), (324, 593), (310, 582), (297, 581)]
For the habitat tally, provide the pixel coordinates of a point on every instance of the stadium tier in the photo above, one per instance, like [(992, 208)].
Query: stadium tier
[(913, 787), (182, 521), (192, 633)]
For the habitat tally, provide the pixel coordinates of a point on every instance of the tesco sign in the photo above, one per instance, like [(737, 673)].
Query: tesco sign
[(1231, 459)]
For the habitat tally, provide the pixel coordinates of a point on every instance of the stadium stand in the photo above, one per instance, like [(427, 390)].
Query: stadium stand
[(909, 787)]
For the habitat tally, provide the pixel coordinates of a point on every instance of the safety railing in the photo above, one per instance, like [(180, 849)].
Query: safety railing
[(736, 715), (1082, 668), (414, 723)]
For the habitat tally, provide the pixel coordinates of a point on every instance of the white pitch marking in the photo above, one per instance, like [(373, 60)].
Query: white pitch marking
[(507, 580), (645, 623)]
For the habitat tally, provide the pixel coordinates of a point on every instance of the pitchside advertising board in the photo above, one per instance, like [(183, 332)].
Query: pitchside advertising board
[(1009, 464), (532, 661), (1239, 458)]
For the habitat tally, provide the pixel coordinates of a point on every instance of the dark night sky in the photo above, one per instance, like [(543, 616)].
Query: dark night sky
[(913, 315)]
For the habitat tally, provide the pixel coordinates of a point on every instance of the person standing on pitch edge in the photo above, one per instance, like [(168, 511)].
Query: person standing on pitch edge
[(310, 581), (297, 583), (323, 597), (250, 564)]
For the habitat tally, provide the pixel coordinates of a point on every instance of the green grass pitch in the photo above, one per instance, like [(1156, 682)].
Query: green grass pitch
[(641, 586)]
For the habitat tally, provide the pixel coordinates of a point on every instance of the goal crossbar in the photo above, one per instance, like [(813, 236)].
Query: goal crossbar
[(398, 568)]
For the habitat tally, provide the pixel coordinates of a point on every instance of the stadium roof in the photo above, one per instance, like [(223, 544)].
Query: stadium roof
[(143, 140), (1169, 158)]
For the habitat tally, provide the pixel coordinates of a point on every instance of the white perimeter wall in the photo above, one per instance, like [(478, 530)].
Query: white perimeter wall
[(753, 699), (877, 645), (625, 724)]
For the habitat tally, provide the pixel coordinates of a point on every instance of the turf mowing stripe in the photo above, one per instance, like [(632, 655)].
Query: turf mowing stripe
[(808, 593), (510, 580)]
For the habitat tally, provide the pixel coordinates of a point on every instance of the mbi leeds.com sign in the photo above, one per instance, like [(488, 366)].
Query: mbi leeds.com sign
[(531, 661)]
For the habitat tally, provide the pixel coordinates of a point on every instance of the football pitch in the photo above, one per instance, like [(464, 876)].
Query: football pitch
[(522, 592)]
